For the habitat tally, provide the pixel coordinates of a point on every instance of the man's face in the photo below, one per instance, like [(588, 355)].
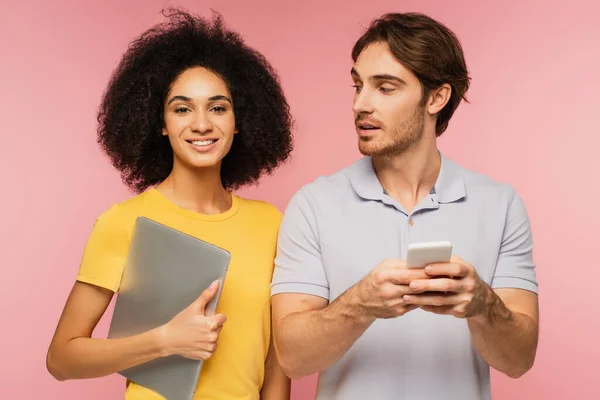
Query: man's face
[(388, 110)]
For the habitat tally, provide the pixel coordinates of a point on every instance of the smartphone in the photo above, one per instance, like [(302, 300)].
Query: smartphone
[(420, 255)]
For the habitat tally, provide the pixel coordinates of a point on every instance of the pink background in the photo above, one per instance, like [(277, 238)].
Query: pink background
[(532, 122)]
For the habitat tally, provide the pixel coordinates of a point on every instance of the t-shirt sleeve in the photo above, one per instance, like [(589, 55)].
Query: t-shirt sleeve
[(298, 264), (515, 267), (106, 250)]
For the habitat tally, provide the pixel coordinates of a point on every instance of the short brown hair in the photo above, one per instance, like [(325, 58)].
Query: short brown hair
[(428, 49)]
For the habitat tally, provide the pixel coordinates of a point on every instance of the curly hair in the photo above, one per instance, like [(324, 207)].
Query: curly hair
[(131, 116)]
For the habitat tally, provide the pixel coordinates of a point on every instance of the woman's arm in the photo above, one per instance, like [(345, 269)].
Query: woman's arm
[(276, 385), (73, 354)]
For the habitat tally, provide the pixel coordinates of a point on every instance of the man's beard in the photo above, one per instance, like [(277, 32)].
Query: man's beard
[(399, 139)]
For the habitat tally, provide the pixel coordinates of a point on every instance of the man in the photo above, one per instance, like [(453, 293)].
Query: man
[(344, 303)]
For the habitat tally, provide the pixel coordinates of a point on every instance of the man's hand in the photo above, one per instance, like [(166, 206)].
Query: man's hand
[(456, 290), (381, 293)]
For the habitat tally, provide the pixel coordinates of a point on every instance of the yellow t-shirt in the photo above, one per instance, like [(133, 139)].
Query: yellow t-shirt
[(249, 231)]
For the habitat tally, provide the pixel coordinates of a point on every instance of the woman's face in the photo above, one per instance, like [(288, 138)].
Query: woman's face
[(199, 119)]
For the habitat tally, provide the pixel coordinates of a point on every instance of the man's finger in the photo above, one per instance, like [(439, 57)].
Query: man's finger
[(403, 276), (434, 299), (443, 310), (447, 269), (435, 285)]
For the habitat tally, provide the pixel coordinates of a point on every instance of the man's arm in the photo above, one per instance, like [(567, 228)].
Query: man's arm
[(506, 333), (503, 323), (311, 335), (503, 319)]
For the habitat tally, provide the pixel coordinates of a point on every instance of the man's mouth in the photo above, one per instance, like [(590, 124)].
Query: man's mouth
[(367, 127)]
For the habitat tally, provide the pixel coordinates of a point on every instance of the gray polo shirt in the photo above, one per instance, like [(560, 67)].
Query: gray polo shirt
[(338, 228)]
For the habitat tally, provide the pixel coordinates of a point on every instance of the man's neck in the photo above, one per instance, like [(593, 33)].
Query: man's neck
[(409, 177), (196, 189)]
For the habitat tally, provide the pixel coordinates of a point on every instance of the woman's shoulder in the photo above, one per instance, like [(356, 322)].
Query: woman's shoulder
[(261, 209), (125, 211)]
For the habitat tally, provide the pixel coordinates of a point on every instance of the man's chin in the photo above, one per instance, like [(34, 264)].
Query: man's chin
[(368, 148), (374, 149), (364, 152)]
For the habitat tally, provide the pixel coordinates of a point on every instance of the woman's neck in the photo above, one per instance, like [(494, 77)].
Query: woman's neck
[(196, 189)]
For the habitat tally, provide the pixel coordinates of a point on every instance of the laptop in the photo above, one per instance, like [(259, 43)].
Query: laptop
[(166, 270)]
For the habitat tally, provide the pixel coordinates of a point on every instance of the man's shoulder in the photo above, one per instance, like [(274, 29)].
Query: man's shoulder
[(482, 185), (331, 186)]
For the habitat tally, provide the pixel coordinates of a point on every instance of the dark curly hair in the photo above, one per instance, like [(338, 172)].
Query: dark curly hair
[(131, 116)]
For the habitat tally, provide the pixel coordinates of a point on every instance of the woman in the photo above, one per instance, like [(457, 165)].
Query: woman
[(190, 113)]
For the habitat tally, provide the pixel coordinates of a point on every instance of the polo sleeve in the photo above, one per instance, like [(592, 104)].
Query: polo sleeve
[(106, 251), (298, 264), (515, 267)]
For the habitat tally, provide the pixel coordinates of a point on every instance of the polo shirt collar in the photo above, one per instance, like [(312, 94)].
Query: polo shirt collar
[(449, 187)]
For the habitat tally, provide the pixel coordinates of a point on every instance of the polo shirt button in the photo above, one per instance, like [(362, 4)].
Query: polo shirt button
[(411, 222)]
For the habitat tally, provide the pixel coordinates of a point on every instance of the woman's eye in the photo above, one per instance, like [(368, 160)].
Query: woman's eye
[(181, 110)]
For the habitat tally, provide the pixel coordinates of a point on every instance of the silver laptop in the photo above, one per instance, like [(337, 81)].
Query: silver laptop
[(166, 271)]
